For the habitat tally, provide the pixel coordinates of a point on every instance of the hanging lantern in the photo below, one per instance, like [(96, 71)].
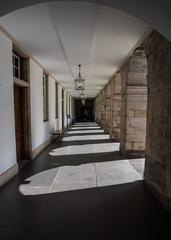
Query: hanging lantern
[(79, 81), (82, 95), (83, 101)]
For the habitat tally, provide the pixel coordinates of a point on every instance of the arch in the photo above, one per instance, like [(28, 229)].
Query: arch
[(137, 70), (156, 14)]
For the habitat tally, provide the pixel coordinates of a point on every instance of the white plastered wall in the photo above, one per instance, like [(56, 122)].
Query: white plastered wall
[(52, 104), (40, 130), (59, 122), (65, 113), (7, 122)]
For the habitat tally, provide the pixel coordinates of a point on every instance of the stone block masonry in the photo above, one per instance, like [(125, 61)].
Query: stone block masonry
[(158, 140), (134, 104), (116, 107), (140, 111), (107, 114)]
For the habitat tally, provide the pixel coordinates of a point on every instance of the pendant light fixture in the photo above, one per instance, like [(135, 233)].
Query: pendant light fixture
[(79, 81)]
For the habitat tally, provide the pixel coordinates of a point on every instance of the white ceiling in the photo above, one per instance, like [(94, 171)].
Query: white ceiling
[(61, 35)]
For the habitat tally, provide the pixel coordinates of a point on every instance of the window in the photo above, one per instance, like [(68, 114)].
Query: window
[(56, 89), (45, 98), (16, 65)]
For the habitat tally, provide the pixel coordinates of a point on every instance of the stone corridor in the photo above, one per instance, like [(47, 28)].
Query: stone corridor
[(81, 188)]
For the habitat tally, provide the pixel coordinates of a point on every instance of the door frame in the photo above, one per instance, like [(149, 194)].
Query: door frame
[(25, 85)]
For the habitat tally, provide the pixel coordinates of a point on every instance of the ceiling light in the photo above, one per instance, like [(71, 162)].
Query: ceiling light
[(82, 95), (79, 81), (83, 101)]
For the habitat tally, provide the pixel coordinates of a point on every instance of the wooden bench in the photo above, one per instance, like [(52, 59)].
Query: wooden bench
[(57, 135)]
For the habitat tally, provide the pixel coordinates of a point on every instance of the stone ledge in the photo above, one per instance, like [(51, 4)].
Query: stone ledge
[(8, 175)]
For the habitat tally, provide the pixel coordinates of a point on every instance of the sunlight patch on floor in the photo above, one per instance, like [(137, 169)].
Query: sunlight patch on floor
[(82, 128), (85, 149), (86, 137), (68, 178), (86, 131)]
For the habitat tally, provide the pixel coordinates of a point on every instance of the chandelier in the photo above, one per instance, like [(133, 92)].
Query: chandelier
[(79, 81)]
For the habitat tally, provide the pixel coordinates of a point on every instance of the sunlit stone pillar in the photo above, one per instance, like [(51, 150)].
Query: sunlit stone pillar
[(107, 115), (96, 107), (102, 122), (158, 150), (115, 107), (134, 104)]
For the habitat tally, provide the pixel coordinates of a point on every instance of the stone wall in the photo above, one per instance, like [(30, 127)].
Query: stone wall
[(98, 108), (158, 141), (102, 122), (153, 59), (116, 107), (107, 113), (103, 108), (134, 104)]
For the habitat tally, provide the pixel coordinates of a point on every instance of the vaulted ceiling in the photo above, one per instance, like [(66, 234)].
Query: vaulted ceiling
[(61, 35)]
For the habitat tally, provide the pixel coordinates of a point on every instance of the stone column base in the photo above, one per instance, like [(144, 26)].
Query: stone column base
[(133, 154)]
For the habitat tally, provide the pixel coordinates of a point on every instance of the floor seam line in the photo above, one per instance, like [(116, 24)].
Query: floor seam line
[(54, 180), (98, 184), (135, 169)]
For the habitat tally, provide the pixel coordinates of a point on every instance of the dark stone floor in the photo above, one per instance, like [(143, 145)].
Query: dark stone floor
[(126, 211)]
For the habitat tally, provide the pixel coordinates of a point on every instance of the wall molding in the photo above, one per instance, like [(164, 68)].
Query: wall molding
[(40, 148), (8, 175)]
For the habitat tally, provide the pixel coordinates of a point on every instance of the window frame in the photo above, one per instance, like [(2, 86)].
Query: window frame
[(15, 67)]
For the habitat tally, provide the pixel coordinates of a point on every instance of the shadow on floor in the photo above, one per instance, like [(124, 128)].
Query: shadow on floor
[(115, 212), (105, 213)]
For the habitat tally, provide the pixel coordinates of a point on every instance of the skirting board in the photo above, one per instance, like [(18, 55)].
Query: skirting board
[(40, 148), (8, 175)]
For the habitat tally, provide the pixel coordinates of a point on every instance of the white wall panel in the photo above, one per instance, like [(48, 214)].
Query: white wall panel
[(7, 122)]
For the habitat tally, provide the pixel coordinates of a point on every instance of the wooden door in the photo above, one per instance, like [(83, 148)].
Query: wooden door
[(19, 128)]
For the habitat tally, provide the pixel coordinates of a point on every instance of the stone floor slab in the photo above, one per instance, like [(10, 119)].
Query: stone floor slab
[(116, 172), (75, 177)]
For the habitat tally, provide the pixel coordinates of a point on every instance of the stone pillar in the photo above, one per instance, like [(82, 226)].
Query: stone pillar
[(102, 123), (158, 150), (97, 109), (134, 104), (107, 117), (115, 107)]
